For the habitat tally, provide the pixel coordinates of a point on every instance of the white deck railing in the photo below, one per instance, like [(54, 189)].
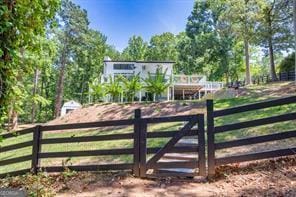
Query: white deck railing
[(188, 79), (210, 85)]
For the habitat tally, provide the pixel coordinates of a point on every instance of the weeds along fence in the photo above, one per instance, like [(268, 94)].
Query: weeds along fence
[(213, 130), (138, 149)]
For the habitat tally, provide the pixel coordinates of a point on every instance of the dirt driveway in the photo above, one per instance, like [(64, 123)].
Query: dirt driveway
[(266, 178)]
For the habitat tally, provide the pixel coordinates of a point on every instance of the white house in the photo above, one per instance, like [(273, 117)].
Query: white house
[(182, 87), (69, 106)]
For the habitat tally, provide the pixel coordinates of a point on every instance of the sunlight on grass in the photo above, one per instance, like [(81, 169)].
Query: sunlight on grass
[(254, 95)]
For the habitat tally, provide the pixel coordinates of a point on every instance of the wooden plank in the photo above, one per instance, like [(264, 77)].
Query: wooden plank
[(15, 173), (137, 130), (16, 160), (173, 141), (15, 146), (143, 149), (87, 138), (88, 125), (179, 157), (255, 106), (171, 174), (103, 167), (17, 133), (36, 149), (255, 156), (158, 134), (255, 140), (179, 149), (168, 119), (211, 138), (87, 153), (175, 164), (257, 122), (201, 146)]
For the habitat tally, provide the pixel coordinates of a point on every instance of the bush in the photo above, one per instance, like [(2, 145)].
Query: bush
[(288, 63)]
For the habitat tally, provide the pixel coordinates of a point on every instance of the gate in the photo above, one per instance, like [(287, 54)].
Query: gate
[(175, 158)]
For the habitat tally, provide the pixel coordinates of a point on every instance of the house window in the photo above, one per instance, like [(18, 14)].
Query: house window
[(123, 66)]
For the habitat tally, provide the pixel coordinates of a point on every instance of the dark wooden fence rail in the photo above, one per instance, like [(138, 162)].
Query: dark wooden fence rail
[(16, 147), (212, 130), (138, 136)]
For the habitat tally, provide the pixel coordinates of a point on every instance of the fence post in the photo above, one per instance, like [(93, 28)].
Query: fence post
[(143, 148), (36, 149), (137, 129), (288, 76), (211, 138), (201, 145)]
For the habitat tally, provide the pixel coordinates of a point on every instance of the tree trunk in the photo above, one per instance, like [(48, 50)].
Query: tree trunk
[(34, 92), (247, 59), (14, 118), (271, 58), (271, 54), (246, 45), (60, 88)]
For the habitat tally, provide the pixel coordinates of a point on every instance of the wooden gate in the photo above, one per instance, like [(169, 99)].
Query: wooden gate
[(175, 158)]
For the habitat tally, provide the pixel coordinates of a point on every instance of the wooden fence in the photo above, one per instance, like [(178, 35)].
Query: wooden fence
[(139, 166), (282, 76), (213, 130), (193, 126)]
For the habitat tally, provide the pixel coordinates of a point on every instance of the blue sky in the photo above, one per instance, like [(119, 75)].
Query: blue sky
[(121, 19)]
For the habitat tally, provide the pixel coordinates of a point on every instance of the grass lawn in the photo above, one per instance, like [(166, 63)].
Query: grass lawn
[(254, 95)]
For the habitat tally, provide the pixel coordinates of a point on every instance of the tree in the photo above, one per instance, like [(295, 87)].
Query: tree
[(112, 53), (206, 48), (114, 88), (97, 90), (162, 47), (21, 22), (131, 86), (86, 65), (136, 49), (200, 39), (157, 83), (288, 63), (275, 28), (241, 15), (73, 25)]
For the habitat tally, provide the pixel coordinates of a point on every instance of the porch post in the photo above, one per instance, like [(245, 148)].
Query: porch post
[(140, 96), (198, 94), (183, 95), (168, 95), (173, 93)]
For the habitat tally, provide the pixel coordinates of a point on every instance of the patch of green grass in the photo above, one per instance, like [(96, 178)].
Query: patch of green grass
[(82, 146), (254, 95)]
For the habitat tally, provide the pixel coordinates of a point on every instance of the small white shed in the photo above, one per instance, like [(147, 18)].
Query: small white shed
[(69, 106)]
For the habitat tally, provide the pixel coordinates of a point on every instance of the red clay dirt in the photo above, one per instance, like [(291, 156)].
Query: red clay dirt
[(265, 178), (115, 111)]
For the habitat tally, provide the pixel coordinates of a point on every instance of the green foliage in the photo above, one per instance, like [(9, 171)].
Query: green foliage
[(131, 86), (157, 83), (97, 90), (136, 49), (21, 23), (114, 88), (162, 47), (288, 63), (207, 47)]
